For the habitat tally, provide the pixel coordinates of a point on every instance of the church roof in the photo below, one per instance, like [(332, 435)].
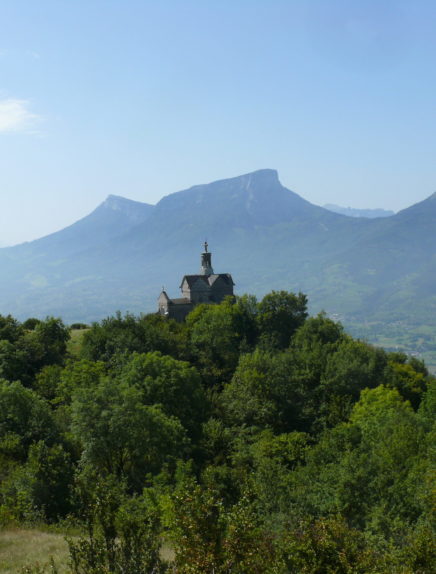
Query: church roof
[(208, 279), (191, 279), (180, 301), (226, 276)]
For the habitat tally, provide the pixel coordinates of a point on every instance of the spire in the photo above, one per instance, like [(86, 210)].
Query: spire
[(206, 261)]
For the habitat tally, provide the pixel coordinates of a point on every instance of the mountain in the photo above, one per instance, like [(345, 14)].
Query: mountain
[(46, 272), (353, 212), (369, 272), (111, 219)]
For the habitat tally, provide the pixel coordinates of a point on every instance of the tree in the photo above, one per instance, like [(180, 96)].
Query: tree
[(10, 329), (118, 336), (369, 470), (122, 436), (216, 335), (265, 391), (25, 418), (53, 335), (353, 367), (279, 315), (41, 487), (13, 362), (123, 532), (408, 376), (327, 546), (174, 385)]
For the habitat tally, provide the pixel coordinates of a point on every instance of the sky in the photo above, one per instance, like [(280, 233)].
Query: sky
[(143, 98)]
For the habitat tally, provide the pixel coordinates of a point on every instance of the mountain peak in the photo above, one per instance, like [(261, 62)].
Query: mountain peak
[(135, 211), (117, 202), (261, 178)]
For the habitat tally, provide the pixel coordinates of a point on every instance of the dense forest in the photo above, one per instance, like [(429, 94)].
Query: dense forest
[(251, 439)]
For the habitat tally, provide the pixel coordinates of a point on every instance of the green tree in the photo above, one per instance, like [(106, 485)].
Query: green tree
[(173, 384), (118, 336), (263, 393), (25, 418), (279, 315), (122, 436), (41, 487), (76, 375), (10, 329), (13, 362), (371, 470), (327, 546), (409, 376), (353, 367), (123, 532), (46, 344), (216, 335)]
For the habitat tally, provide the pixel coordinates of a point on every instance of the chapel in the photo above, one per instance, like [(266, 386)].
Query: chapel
[(206, 287)]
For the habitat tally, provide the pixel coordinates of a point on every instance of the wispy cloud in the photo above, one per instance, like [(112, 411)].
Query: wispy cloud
[(15, 116), (33, 55)]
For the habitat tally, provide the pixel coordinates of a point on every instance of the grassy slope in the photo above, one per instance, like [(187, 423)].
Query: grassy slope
[(75, 342), (22, 547)]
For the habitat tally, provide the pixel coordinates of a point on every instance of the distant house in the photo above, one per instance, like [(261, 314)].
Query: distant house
[(206, 287)]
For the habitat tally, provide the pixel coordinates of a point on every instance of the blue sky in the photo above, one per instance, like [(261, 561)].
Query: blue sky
[(144, 98)]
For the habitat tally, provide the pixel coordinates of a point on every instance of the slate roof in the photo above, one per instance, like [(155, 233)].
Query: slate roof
[(208, 279), (191, 279), (226, 276)]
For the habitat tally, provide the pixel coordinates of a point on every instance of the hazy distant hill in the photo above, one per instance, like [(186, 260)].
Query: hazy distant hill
[(364, 270), (353, 212), (112, 218)]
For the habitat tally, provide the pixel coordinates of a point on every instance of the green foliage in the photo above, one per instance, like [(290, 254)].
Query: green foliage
[(262, 392), (216, 335), (25, 418), (367, 470), (256, 439), (279, 315), (76, 375), (120, 435), (119, 336), (123, 533), (40, 489), (10, 329), (408, 376), (79, 326), (47, 382), (13, 361), (23, 353), (47, 343), (174, 385), (327, 546), (353, 367), (196, 529)]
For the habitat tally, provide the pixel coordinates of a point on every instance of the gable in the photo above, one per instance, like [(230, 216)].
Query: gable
[(195, 283)]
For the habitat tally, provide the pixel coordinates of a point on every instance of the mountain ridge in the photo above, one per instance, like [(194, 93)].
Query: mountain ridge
[(266, 235), (356, 212)]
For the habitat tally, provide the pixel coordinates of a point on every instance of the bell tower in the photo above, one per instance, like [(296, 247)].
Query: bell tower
[(206, 261)]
